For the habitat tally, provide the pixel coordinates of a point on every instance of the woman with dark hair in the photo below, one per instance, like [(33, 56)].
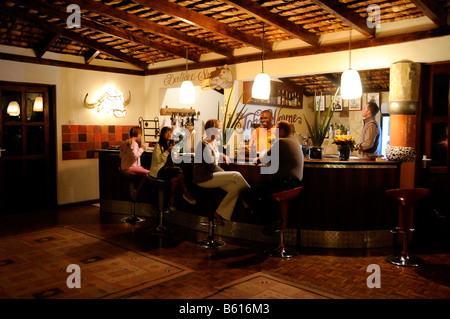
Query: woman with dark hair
[(131, 151), (163, 167)]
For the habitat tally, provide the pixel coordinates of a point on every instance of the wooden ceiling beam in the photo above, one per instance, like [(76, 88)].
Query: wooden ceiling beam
[(335, 47), (348, 16), (198, 19), (432, 10), (150, 26), (112, 30), (261, 13), (90, 56), (33, 19), (45, 45)]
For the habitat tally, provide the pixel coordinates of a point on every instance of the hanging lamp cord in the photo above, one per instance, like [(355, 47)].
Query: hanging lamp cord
[(262, 53), (350, 50), (187, 48)]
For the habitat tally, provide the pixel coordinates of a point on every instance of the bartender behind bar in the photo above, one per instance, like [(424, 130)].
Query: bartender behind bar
[(262, 136)]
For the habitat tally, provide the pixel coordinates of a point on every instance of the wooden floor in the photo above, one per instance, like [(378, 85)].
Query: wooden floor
[(340, 271)]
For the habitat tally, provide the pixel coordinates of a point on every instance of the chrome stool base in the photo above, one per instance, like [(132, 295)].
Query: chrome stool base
[(133, 220), (406, 261), (211, 243), (282, 252)]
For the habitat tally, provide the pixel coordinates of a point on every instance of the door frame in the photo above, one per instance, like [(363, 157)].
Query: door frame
[(51, 198)]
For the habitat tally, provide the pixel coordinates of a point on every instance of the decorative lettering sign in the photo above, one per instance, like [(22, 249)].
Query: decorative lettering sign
[(196, 76)]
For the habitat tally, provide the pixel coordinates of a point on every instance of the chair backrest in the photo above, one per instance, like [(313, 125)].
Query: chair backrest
[(287, 195), (407, 196)]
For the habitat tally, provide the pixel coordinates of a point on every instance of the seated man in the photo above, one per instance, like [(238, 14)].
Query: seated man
[(288, 176)]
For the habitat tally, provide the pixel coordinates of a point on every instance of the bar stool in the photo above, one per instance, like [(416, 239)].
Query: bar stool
[(406, 197), (210, 241), (283, 199), (133, 180), (161, 186)]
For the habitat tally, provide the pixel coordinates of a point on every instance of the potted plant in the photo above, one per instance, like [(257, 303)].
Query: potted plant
[(319, 130), (230, 123)]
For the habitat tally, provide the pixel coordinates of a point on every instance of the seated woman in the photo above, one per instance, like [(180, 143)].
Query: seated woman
[(131, 151), (208, 174), (163, 167)]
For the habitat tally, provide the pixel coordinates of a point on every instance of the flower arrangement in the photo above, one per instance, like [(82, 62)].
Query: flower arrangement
[(345, 140)]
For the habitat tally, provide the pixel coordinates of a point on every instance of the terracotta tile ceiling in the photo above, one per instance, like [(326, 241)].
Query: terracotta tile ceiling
[(145, 32)]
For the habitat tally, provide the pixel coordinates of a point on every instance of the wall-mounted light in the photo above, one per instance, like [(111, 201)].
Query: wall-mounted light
[(38, 105), (351, 87), (187, 91), (261, 85), (13, 108), (111, 101)]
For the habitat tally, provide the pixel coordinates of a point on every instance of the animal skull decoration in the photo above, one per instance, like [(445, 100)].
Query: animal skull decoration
[(111, 100), (221, 78)]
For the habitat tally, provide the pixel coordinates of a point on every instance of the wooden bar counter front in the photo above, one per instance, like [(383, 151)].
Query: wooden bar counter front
[(342, 205)]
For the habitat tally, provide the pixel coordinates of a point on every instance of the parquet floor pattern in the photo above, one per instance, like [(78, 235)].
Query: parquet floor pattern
[(343, 272)]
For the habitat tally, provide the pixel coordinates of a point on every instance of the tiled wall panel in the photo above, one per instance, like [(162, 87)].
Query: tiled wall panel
[(81, 141)]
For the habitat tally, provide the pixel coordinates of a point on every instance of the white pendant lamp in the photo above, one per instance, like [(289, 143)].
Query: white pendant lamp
[(38, 105), (187, 90), (351, 87), (261, 85), (13, 108)]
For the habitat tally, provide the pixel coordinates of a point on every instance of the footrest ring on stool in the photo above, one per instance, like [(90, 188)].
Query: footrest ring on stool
[(211, 243), (133, 219)]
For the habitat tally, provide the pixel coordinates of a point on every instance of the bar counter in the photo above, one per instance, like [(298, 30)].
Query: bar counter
[(342, 205)]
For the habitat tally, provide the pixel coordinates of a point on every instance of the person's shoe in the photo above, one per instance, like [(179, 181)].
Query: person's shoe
[(191, 200)]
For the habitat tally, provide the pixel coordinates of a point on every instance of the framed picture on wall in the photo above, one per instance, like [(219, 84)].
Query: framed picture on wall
[(320, 102), (344, 102), (338, 103), (354, 104), (375, 97)]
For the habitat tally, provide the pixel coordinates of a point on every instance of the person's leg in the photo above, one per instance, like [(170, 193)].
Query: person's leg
[(182, 184), (231, 182)]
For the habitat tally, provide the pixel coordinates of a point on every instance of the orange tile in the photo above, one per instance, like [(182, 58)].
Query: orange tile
[(73, 128), (97, 137), (74, 138), (65, 138), (82, 128), (105, 137), (89, 128)]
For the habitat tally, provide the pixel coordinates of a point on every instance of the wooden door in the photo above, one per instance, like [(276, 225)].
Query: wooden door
[(435, 121), (27, 139)]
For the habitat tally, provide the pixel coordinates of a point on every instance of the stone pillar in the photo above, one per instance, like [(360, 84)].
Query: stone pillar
[(403, 105)]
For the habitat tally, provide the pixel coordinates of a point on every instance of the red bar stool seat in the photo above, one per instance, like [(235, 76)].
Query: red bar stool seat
[(135, 183), (283, 199), (406, 197)]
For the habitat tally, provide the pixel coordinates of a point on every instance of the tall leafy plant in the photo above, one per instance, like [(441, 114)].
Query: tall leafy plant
[(319, 130), (230, 124)]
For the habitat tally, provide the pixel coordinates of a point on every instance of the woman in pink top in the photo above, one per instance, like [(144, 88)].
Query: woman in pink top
[(131, 151)]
